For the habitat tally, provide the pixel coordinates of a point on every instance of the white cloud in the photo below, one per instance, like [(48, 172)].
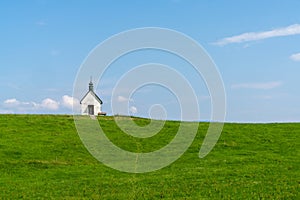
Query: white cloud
[(123, 99), (133, 110), (16, 105), (69, 102), (252, 36), (262, 86), (295, 57), (49, 104), (11, 102)]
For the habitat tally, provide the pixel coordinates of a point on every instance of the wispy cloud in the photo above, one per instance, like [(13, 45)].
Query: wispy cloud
[(261, 86), (54, 52), (204, 97), (264, 97), (295, 57), (6, 111), (11, 102), (124, 99), (252, 36), (41, 23)]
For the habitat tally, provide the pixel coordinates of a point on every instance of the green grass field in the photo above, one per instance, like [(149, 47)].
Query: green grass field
[(42, 157)]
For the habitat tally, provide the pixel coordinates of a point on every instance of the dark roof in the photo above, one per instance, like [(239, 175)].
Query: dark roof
[(94, 94)]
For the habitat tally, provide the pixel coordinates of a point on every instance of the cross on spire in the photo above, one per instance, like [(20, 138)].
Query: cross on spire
[(91, 85)]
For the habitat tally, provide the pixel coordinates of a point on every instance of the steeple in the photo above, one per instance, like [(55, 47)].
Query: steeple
[(91, 86)]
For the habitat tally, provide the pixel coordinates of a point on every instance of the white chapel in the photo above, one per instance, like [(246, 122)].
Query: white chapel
[(91, 104)]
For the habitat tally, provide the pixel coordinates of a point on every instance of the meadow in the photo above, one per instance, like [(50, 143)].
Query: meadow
[(42, 157)]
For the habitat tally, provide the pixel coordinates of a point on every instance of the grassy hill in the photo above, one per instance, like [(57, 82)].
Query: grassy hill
[(43, 157)]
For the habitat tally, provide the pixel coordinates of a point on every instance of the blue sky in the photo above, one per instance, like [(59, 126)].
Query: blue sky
[(255, 45)]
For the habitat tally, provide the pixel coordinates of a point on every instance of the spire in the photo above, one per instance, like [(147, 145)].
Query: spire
[(91, 85)]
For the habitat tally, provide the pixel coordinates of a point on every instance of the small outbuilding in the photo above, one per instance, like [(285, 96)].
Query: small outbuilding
[(91, 104)]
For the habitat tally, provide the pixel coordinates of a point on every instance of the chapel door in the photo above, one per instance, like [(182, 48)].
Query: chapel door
[(91, 109)]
